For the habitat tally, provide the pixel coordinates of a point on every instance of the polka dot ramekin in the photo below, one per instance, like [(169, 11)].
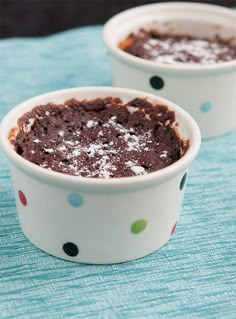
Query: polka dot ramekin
[(207, 92), (92, 220)]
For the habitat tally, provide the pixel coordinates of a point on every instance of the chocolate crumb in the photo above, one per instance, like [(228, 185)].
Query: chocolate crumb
[(102, 138), (170, 49)]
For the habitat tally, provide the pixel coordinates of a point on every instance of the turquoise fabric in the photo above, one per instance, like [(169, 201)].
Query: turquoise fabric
[(193, 276)]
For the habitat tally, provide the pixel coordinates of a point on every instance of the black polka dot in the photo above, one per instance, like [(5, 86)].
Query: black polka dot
[(183, 181), (156, 82), (71, 249)]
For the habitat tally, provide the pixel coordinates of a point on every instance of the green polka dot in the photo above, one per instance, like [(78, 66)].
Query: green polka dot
[(138, 226)]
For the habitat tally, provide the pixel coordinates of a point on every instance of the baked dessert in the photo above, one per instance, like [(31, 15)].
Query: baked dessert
[(171, 49), (102, 138)]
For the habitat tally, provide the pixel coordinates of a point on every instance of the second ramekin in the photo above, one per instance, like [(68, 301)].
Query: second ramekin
[(207, 92)]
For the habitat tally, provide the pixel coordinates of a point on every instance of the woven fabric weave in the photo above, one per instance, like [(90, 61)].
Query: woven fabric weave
[(193, 276)]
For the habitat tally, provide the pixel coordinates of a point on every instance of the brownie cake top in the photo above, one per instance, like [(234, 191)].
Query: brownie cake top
[(102, 138), (170, 49)]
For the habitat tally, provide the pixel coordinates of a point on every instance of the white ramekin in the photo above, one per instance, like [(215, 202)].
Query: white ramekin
[(207, 92), (92, 220)]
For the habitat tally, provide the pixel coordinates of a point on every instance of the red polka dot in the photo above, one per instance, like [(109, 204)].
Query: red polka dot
[(173, 229), (22, 198)]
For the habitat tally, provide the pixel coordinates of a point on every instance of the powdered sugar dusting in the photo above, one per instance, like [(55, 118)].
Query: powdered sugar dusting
[(103, 152), (61, 133), (132, 109), (163, 154), (91, 123), (28, 126), (187, 51), (105, 167), (117, 141), (138, 170), (172, 49), (48, 150)]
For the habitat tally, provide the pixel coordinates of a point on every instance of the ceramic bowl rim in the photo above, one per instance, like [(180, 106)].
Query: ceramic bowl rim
[(65, 180), (111, 24)]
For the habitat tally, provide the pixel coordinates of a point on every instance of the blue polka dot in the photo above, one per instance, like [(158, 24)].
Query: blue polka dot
[(75, 200), (206, 107)]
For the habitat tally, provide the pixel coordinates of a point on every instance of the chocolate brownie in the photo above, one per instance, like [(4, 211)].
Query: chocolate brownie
[(169, 49), (102, 138)]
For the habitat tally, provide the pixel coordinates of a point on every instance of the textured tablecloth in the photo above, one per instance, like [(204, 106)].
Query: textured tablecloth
[(193, 276)]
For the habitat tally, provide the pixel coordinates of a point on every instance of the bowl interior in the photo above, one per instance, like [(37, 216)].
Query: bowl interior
[(184, 122), (199, 20), (187, 129)]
